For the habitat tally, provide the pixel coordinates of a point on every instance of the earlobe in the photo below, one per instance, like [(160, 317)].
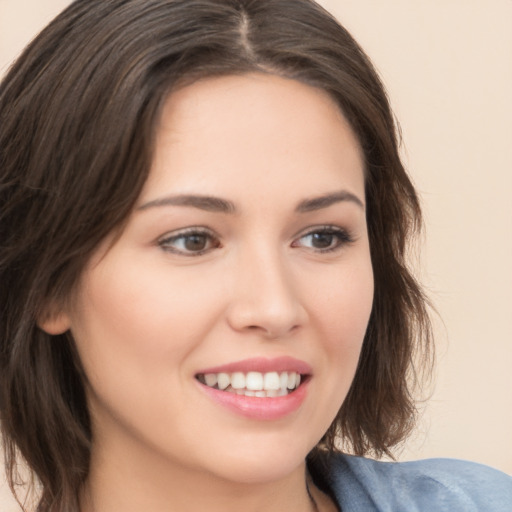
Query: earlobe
[(54, 323)]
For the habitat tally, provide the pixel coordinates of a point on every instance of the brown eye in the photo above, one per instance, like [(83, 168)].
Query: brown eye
[(195, 242), (191, 243), (324, 239)]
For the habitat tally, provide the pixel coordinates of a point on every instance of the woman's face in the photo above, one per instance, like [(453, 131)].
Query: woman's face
[(245, 263)]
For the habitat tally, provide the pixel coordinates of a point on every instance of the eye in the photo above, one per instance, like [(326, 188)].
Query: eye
[(190, 242), (324, 239)]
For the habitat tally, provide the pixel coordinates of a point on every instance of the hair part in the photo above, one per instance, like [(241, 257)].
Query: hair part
[(78, 114)]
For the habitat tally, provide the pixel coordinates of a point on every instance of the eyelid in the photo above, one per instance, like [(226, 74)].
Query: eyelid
[(343, 235), (186, 231), (323, 228), (164, 241)]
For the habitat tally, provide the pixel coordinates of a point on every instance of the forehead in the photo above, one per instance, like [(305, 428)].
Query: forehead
[(233, 132)]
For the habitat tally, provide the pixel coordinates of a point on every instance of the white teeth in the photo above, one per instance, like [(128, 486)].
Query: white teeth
[(259, 394), (271, 381), (238, 380), (254, 381), (293, 380), (258, 384), (223, 380)]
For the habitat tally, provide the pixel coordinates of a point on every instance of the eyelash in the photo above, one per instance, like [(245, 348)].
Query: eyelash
[(342, 236), (166, 242)]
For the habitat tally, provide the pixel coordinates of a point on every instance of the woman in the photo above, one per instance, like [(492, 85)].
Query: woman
[(204, 221)]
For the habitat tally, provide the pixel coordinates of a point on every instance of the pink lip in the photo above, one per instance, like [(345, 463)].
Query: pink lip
[(263, 365), (265, 408), (259, 408)]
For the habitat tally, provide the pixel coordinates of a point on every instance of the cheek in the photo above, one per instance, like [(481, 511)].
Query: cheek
[(140, 317), (344, 309), (342, 306), (133, 332)]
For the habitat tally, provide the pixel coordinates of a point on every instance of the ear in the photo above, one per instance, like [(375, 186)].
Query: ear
[(54, 322)]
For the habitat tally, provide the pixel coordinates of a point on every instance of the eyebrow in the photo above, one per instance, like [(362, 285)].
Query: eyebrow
[(318, 203), (218, 205), (207, 203)]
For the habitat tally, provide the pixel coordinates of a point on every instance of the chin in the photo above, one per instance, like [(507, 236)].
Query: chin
[(259, 463), (260, 472)]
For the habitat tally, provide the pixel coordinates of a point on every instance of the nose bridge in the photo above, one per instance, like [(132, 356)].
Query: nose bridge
[(265, 296)]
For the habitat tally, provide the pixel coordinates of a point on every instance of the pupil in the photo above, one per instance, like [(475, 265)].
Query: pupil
[(322, 240), (195, 242)]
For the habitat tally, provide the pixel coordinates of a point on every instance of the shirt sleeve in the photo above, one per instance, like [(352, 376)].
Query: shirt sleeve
[(438, 485)]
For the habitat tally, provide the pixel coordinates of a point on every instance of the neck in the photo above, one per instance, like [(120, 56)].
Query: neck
[(199, 495)]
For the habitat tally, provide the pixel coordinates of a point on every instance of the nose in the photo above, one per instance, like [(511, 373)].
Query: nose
[(265, 298)]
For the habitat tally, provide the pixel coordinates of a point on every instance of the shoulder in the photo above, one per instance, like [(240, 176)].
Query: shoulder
[(435, 484)]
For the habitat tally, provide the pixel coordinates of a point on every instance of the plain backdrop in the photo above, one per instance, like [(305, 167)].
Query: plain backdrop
[(447, 65)]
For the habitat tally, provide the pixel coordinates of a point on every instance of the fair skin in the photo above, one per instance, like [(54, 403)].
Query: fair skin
[(266, 278)]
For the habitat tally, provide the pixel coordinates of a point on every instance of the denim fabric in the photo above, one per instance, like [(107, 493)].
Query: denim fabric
[(434, 485)]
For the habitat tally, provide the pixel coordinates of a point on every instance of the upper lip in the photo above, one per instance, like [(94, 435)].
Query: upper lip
[(262, 365)]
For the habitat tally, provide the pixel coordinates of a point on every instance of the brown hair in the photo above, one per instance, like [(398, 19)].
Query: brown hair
[(78, 112)]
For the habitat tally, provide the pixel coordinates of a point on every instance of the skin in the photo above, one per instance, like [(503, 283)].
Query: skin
[(150, 313)]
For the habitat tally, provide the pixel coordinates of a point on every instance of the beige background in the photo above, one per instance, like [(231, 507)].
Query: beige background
[(448, 68)]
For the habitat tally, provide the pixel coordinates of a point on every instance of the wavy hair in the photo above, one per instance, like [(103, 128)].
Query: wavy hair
[(78, 111)]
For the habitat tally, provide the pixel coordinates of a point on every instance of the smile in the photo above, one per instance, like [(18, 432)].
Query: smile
[(258, 388), (253, 384)]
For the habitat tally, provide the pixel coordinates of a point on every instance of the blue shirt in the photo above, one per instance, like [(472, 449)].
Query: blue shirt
[(435, 485)]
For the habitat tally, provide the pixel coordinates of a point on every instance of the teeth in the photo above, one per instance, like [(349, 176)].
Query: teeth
[(223, 380), (257, 384), (238, 380), (293, 380), (271, 381), (210, 379), (254, 381)]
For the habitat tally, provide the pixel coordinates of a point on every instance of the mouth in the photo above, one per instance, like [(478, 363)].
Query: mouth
[(259, 388), (254, 384)]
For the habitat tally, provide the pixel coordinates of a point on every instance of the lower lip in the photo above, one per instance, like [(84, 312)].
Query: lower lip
[(264, 408)]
